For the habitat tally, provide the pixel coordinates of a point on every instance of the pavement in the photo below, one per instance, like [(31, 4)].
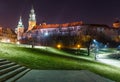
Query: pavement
[(112, 62), (107, 60), (62, 76)]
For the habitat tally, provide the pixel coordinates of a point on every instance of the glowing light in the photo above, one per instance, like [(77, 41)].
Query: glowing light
[(78, 46), (94, 40), (18, 42), (59, 46), (46, 33), (8, 40)]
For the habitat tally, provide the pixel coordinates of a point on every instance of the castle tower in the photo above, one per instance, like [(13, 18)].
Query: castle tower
[(32, 19), (116, 24), (20, 29)]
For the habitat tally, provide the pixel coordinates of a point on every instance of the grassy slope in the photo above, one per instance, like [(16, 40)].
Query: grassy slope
[(55, 59)]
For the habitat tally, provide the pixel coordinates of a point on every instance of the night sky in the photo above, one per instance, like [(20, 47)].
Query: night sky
[(59, 11)]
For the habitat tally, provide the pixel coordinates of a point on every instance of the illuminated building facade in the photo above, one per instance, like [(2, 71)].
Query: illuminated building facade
[(32, 20), (7, 35), (20, 29), (67, 34)]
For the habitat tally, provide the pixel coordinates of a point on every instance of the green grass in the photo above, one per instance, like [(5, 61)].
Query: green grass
[(51, 59)]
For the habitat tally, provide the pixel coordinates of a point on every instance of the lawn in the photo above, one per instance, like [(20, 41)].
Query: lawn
[(51, 59)]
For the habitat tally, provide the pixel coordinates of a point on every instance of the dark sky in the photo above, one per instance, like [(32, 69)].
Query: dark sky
[(59, 11)]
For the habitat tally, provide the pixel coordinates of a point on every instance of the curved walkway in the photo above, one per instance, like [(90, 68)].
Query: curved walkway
[(62, 76), (112, 62), (107, 60)]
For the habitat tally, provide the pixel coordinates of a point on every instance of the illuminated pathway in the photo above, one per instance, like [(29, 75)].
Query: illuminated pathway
[(107, 60), (113, 62)]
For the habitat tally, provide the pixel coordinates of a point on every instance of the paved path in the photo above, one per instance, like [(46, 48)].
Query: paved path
[(62, 76), (112, 62), (107, 60)]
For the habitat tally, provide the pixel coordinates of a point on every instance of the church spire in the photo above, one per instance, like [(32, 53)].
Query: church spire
[(20, 29), (20, 24), (32, 15), (32, 19)]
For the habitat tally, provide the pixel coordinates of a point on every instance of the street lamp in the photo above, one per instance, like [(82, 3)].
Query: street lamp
[(18, 42), (8, 40), (95, 52), (59, 46), (46, 34), (78, 46), (95, 47), (94, 41)]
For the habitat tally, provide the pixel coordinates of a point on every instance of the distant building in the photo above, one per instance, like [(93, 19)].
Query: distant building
[(67, 34), (20, 29), (32, 20), (7, 35), (31, 23)]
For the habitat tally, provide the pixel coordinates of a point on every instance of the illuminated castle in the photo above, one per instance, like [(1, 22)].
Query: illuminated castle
[(20, 29), (32, 20), (67, 34), (31, 23)]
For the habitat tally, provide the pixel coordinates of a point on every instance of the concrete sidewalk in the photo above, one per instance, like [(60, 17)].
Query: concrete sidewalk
[(62, 76), (107, 60), (112, 62)]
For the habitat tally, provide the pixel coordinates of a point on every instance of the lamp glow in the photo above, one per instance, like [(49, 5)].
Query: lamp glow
[(18, 42), (59, 46), (78, 46), (46, 33)]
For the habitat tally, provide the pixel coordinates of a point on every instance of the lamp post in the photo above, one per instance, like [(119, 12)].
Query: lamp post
[(95, 49), (96, 52), (78, 47)]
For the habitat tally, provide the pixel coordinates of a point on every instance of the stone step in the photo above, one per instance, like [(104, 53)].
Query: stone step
[(6, 65), (11, 74), (13, 79), (4, 62), (12, 68), (10, 71)]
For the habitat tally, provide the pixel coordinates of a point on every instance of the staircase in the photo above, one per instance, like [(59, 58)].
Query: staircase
[(10, 72)]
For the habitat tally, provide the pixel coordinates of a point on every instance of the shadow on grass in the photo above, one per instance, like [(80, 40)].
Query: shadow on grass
[(75, 51)]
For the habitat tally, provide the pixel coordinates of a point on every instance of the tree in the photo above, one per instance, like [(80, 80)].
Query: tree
[(87, 39)]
